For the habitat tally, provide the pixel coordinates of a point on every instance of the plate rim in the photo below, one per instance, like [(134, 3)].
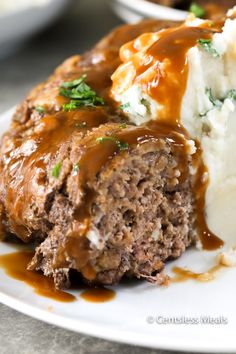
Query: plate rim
[(122, 336)]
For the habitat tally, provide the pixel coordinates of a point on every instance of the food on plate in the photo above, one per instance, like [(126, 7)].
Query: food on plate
[(154, 83), (212, 9), (106, 166), (99, 196)]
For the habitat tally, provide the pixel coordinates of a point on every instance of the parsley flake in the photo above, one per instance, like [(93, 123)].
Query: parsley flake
[(231, 94), (206, 44), (197, 10), (40, 109), (121, 145), (125, 106), (56, 170), (80, 95), (212, 99), (123, 125), (217, 103)]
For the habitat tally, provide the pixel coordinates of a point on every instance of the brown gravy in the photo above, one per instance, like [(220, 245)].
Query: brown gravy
[(98, 295), (172, 49), (208, 239), (182, 274), (15, 265)]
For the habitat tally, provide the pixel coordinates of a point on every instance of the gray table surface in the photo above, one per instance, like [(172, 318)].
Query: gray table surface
[(79, 29)]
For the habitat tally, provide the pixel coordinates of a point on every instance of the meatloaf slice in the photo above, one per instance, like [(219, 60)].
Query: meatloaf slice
[(126, 211)]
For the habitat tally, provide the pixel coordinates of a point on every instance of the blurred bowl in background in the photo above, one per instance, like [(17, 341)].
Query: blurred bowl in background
[(135, 10), (20, 22)]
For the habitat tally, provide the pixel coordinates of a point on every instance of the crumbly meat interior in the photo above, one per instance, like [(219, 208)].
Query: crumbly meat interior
[(141, 216)]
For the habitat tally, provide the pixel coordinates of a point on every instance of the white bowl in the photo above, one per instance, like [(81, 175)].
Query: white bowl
[(135, 10), (21, 23)]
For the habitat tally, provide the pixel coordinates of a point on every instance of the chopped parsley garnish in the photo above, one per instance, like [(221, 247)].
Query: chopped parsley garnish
[(217, 103), (123, 125), (121, 145), (56, 170), (80, 94), (197, 10), (71, 106), (125, 106), (232, 95), (147, 104), (75, 169), (40, 109), (206, 44), (212, 99)]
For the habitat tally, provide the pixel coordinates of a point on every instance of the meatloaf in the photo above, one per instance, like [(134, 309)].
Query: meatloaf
[(94, 194)]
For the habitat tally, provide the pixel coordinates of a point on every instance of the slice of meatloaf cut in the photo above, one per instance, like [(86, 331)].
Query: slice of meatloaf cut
[(126, 210)]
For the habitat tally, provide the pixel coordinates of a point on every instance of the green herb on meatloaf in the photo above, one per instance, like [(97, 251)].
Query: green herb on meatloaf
[(40, 109), (123, 125), (56, 170), (80, 95), (121, 145)]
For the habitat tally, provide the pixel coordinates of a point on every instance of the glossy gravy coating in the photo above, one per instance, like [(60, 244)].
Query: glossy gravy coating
[(15, 265), (98, 295), (171, 50), (182, 274)]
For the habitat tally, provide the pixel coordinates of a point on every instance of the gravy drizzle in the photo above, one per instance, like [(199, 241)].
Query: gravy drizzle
[(15, 265), (171, 49), (98, 295), (182, 274), (209, 240)]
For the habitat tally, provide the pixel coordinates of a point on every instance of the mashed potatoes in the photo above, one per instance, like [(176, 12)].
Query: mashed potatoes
[(207, 107)]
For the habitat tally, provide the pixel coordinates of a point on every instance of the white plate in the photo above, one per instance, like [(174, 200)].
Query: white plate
[(18, 25), (134, 10), (124, 319)]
